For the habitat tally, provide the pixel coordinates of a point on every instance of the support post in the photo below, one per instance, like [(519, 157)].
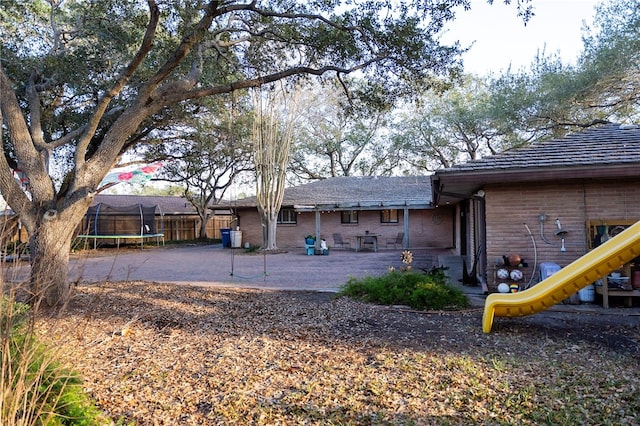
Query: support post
[(405, 239), (318, 230)]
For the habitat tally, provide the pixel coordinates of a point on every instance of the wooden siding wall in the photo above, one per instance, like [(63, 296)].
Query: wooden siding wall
[(428, 228), (510, 207)]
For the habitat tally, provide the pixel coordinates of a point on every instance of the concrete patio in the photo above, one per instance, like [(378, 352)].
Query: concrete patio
[(214, 265)]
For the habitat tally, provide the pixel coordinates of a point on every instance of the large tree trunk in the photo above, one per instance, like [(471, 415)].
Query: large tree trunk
[(50, 245), (202, 233)]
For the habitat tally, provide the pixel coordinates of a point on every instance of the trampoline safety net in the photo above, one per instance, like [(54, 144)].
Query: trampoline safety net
[(104, 219)]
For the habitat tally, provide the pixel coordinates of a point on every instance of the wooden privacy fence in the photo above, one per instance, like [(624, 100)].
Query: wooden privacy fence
[(176, 227), (183, 227)]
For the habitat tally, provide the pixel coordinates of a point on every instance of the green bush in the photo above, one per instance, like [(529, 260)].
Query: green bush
[(35, 388), (415, 289)]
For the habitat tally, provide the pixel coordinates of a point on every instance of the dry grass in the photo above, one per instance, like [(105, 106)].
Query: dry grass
[(162, 355), (35, 388)]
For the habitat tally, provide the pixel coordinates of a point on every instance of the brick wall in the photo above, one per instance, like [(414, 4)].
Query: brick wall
[(428, 228), (510, 207)]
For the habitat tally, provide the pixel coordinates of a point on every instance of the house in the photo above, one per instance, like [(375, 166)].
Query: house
[(176, 218), (354, 206), (548, 202)]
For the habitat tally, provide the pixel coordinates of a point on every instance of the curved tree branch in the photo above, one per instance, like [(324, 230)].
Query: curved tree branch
[(145, 48)]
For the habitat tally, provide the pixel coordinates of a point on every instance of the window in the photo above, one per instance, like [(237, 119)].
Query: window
[(389, 216), (349, 216), (287, 216)]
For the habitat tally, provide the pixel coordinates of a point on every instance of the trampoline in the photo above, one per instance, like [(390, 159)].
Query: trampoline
[(107, 222)]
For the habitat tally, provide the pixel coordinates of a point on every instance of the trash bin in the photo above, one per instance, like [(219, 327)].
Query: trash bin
[(236, 239), (587, 294), (226, 237), (547, 269)]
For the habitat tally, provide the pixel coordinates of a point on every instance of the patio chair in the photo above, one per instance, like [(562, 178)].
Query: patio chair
[(339, 242), (370, 240), (398, 240)]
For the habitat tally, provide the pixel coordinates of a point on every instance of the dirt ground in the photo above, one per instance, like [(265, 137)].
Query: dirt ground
[(171, 336), (163, 354)]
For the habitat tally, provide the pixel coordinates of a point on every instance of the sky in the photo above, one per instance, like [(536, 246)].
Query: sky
[(502, 39)]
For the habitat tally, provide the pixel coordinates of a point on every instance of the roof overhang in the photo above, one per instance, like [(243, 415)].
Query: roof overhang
[(451, 187), (221, 212), (362, 205)]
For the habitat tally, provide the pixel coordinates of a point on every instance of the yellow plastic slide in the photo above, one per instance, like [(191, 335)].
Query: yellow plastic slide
[(609, 256)]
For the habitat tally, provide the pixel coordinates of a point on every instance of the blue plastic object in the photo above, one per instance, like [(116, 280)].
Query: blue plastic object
[(226, 237)]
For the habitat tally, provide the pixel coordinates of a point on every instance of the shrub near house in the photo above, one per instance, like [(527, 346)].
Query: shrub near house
[(415, 289)]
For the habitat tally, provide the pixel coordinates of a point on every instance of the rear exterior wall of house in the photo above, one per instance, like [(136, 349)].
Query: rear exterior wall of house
[(433, 228), (511, 209)]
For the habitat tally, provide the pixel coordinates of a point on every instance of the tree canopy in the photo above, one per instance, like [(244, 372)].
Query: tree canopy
[(339, 134), (553, 98), (204, 152), (85, 81)]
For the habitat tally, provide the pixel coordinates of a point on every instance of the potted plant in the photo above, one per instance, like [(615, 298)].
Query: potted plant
[(310, 239)]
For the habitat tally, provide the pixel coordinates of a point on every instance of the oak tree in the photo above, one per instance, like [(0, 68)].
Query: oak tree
[(204, 153), (87, 79)]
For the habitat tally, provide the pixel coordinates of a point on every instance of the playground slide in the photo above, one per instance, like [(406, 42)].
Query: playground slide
[(597, 263)]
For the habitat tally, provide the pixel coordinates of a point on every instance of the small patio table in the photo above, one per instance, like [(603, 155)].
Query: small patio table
[(367, 239)]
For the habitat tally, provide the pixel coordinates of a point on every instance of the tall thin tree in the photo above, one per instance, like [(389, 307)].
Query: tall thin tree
[(273, 134)]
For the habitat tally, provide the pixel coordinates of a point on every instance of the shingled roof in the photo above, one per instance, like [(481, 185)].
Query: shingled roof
[(610, 151), (610, 144), (356, 192)]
